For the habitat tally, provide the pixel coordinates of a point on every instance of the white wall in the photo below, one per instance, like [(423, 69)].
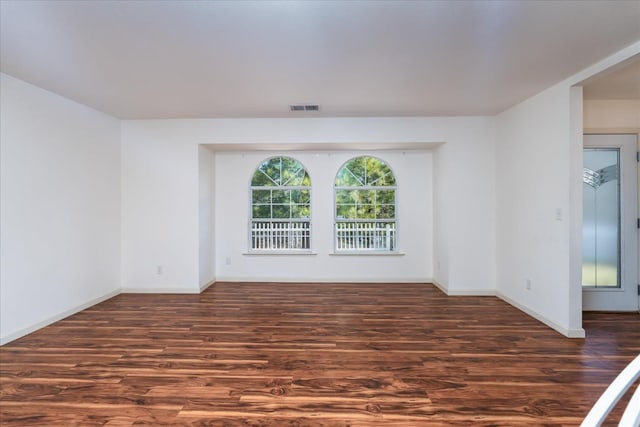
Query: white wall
[(614, 114), (160, 203), (539, 171), (160, 210), (441, 220), (413, 170), (465, 221), (206, 215), (575, 215), (533, 184), (60, 198)]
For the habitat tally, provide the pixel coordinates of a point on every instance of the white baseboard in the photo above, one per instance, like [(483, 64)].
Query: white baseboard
[(569, 333), (440, 286), (160, 290), (206, 285), (39, 325), (472, 293), (324, 280), (465, 292)]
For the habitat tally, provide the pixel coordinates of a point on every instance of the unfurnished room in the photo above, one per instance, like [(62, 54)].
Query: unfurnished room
[(319, 213)]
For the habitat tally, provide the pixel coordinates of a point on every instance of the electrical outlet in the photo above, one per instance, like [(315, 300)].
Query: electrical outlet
[(159, 270), (558, 214), (227, 260), (528, 285)]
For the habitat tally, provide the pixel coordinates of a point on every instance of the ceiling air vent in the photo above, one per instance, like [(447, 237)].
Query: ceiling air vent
[(309, 107)]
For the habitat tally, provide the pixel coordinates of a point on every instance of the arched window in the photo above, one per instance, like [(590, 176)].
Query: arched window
[(365, 206), (280, 206)]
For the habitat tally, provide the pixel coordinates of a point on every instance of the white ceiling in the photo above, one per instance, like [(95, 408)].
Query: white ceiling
[(176, 59)]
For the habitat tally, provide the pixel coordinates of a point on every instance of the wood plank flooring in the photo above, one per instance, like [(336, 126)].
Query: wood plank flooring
[(275, 354)]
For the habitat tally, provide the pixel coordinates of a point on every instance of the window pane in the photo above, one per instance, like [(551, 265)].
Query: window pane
[(298, 178), (261, 211), (365, 197), (280, 235), (375, 170), (271, 168), (389, 179), (357, 167), (261, 180), (346, 211), (385, 211), (261, 196), (366, 212), (300, 196), (281, 211), (386, 196), (354, 207), (281, 196), (272, 209), (601, 218), (365, 171), (345, 196), (292, 176), (380, 176), (300, 211), (365, 236), (346, 178)]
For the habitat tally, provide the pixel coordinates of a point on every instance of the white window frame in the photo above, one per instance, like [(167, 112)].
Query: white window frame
[(381, 234), (276, 235)]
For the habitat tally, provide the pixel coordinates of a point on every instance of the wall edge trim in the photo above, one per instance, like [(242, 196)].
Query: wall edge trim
[(465, 292), (50, 320), (206, 285), (161, 290), (569, 333), (440, 286), (323, 280), (473, 293)]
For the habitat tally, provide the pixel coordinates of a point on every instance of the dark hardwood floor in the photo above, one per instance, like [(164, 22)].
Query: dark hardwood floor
[(246, 354)]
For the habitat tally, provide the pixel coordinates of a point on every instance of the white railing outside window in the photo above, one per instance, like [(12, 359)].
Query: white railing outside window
[(358, 236), (276, 235)]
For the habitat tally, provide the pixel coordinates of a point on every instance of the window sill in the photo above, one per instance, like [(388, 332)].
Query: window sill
[(602, 289), (269, 252), (366, 253)]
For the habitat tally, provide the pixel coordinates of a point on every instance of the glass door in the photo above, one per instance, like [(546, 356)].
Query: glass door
[(601, 218), (609, 231)]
